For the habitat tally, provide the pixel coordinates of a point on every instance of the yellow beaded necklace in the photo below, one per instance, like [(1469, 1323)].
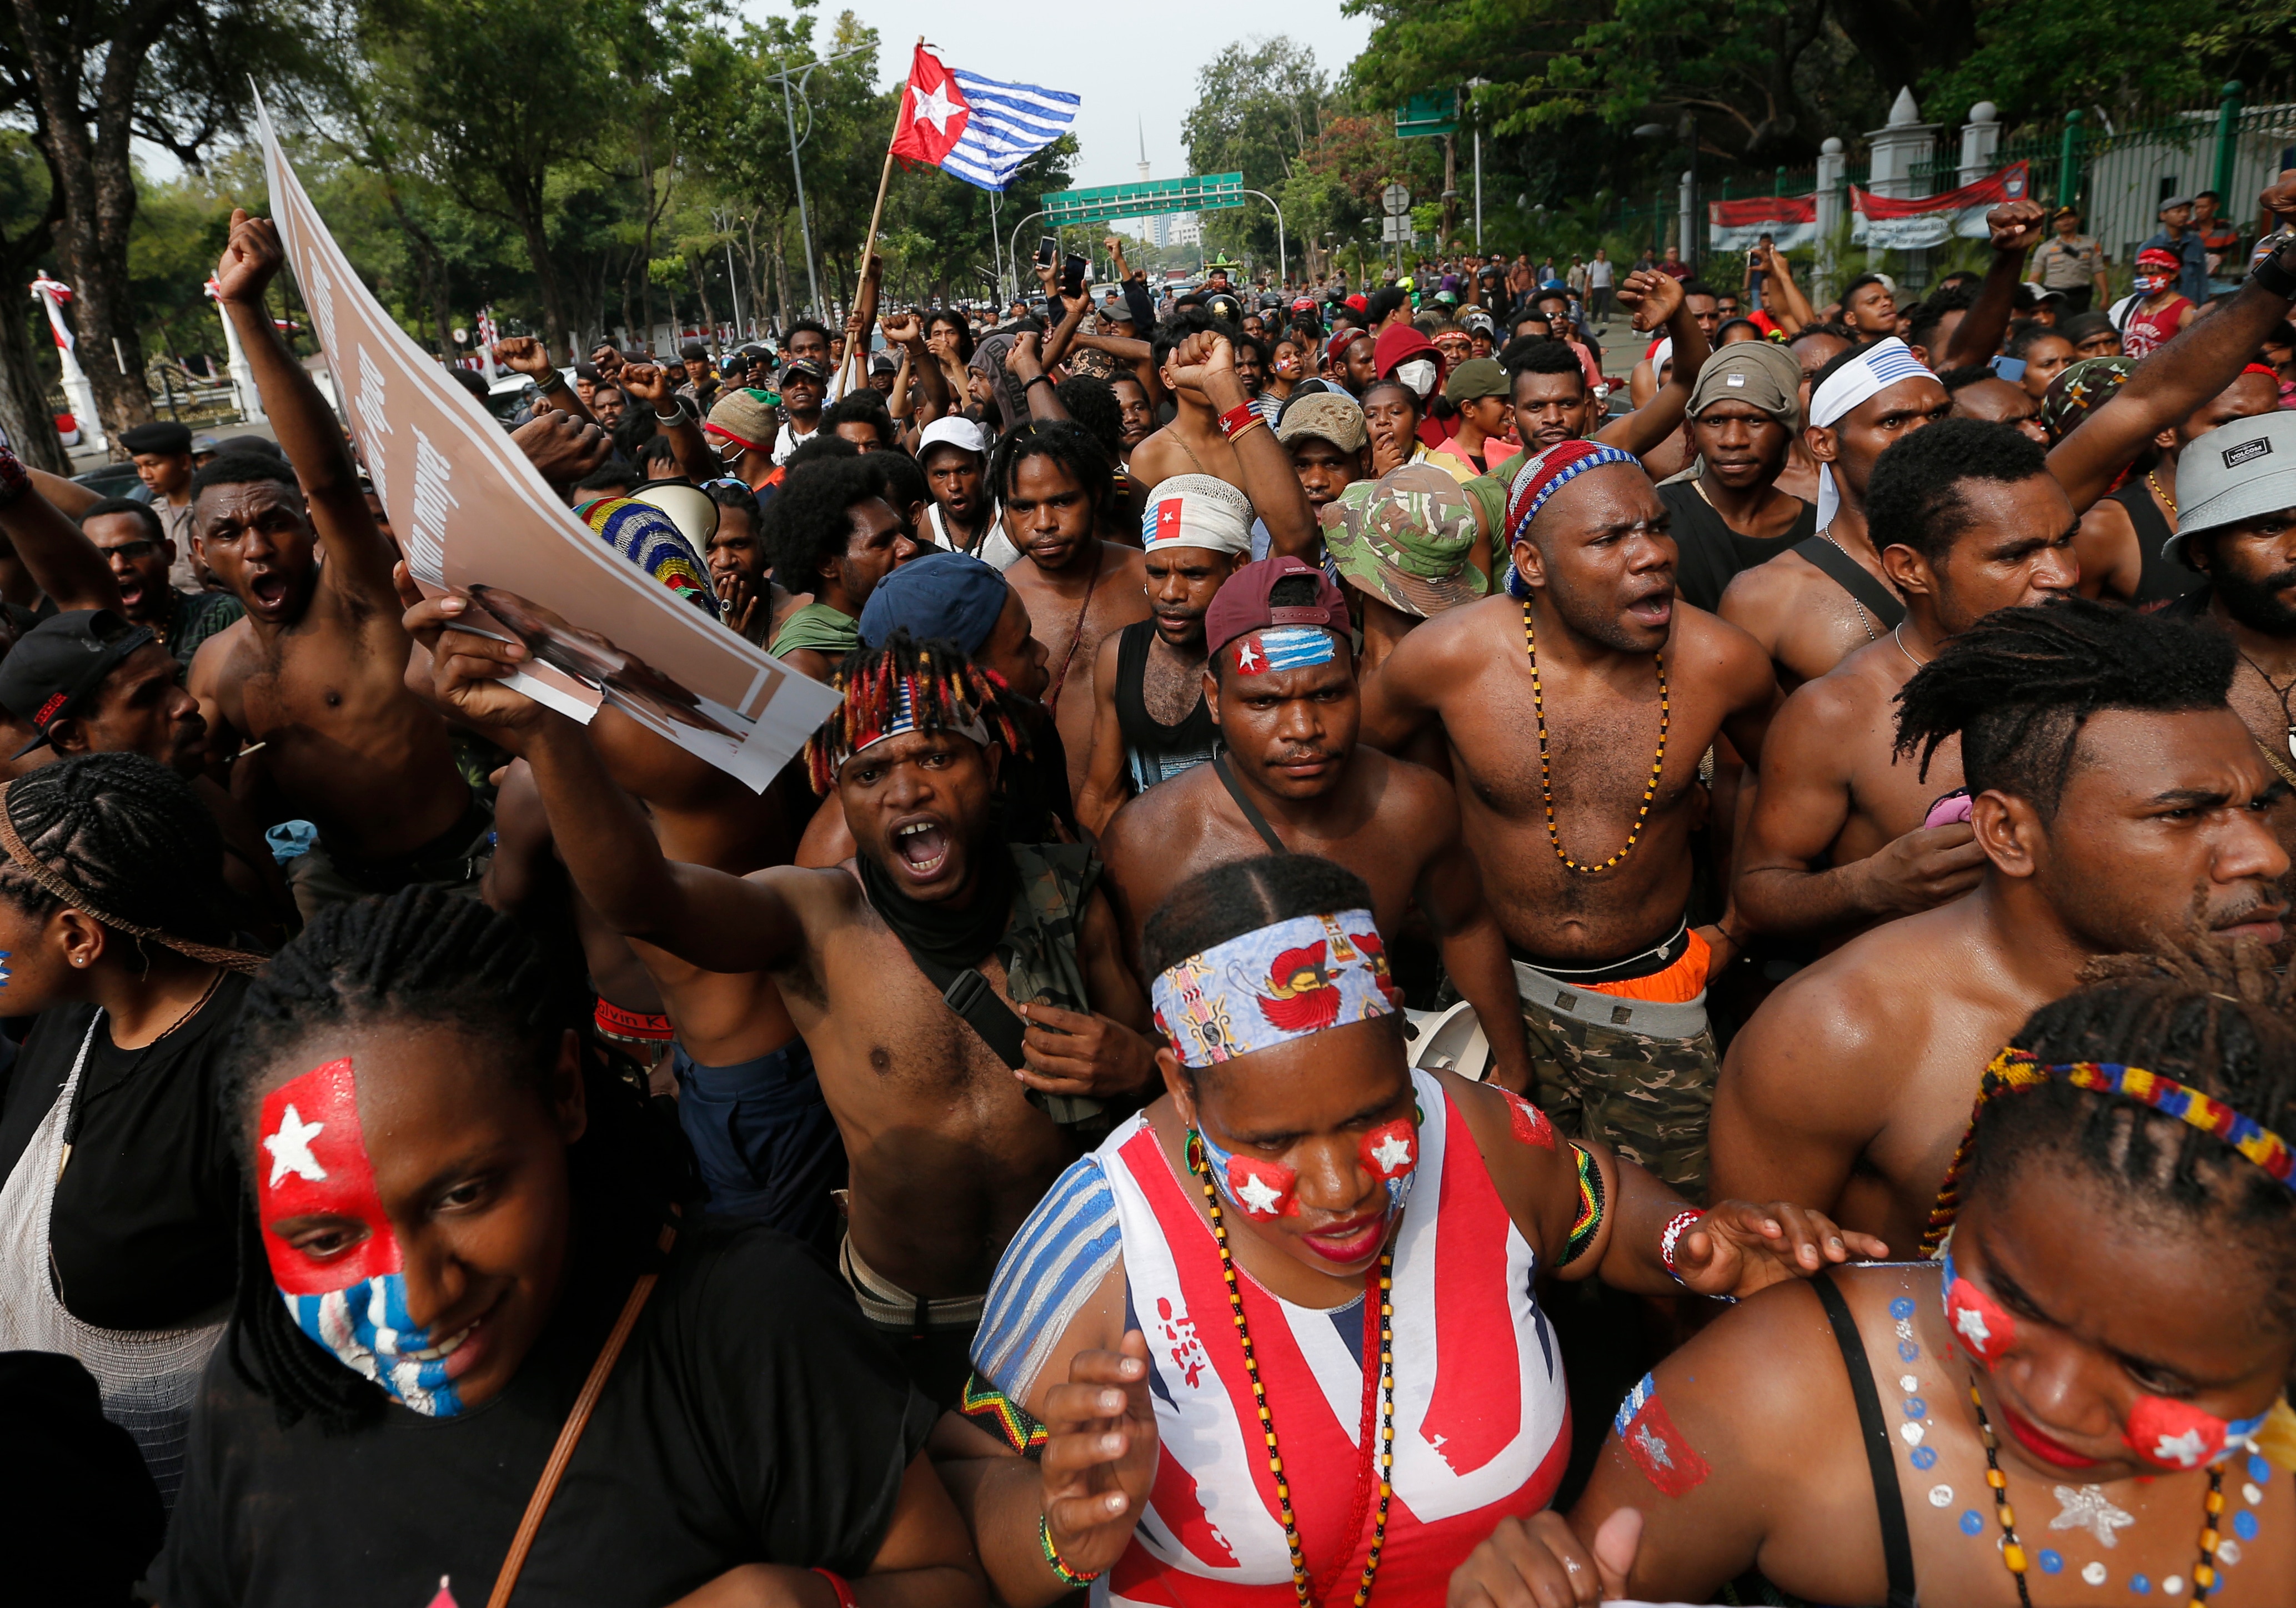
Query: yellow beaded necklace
[(1382, 1466), (1546, 775)]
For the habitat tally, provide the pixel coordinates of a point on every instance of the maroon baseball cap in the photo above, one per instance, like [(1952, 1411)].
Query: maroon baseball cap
[(1241, 607)]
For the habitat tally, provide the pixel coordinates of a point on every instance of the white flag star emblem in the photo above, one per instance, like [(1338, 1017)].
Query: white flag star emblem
[(1653, 1447), (1392, 1152), (936, 108), (2186, 1450), (1258, 1195), (290, 1148), (1246, 660), (1970, 1322)]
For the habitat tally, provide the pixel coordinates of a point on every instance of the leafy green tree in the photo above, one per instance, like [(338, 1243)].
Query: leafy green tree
[(90, 76), (1259, 106)]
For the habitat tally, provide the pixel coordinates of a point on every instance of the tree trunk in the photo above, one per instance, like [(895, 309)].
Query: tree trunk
[(24, 416), (430, 267), (524, 193)]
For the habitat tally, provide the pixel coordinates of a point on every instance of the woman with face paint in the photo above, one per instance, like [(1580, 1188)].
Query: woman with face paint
[(117, 1236), (468, 1313), (2081, 1401), (1301, 1289)]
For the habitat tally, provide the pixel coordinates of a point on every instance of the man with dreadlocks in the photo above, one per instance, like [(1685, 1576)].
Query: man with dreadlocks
[(2116, 799), (965, 1000)]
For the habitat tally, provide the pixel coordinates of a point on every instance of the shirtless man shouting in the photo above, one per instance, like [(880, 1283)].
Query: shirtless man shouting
[(1968, 519), (948, 1150), (317, 670), (1585, 845), (2117, 800), (1281, 686)]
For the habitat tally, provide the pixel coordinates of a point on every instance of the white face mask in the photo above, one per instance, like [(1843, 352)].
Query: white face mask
[(1419, 374)]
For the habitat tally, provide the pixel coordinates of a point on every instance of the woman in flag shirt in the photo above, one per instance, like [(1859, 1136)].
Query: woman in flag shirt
[(1301, 1286)]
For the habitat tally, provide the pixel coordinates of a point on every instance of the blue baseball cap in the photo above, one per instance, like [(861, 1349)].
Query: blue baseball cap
[(949, 597)]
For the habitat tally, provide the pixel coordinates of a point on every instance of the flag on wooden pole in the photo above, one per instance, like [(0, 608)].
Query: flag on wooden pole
[(978, 130)]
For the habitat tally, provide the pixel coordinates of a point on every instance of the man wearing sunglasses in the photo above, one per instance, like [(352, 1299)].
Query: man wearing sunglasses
[(130, 537)]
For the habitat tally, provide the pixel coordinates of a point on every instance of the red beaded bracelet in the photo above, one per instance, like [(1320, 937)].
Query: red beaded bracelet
[(1237, 418), (841, 1586)]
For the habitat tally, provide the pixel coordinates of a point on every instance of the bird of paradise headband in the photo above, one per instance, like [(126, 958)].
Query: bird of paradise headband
[(2016, 1069), (1284, 982)]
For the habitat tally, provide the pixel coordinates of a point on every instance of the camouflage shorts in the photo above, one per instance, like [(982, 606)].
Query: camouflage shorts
[(1646, 1096)]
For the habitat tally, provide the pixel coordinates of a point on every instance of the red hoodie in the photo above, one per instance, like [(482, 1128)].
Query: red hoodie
[(1398, 344)]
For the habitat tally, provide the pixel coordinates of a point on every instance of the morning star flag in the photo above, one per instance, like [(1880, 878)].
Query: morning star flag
[(979, 129)]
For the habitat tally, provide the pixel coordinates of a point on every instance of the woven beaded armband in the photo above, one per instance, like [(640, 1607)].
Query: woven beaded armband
[(1589, 1221), (1002, 1417)]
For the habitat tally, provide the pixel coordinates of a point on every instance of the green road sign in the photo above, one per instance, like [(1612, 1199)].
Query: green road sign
[(1428, 114), (1206, 193)]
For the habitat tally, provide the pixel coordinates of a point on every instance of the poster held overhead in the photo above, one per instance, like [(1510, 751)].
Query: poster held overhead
[(472, 513)]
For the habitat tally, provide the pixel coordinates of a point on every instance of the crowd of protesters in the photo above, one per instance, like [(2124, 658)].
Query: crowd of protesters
[(1409, 968)]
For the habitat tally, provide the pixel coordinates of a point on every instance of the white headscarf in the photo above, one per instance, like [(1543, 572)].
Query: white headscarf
[(1879, 366)]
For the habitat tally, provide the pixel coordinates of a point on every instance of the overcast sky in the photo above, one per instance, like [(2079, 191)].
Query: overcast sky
[(1133, 67)]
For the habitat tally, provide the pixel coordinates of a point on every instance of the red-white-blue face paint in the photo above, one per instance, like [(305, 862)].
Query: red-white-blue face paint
[(1389, 1152), (2176, 1434), (1265, 1190), (313, 1162), (1982, 1324)]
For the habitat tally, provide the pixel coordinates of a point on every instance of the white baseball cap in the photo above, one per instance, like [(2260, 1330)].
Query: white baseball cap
[(955, 430)]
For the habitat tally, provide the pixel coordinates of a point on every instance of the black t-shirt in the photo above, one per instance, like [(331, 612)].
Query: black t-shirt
[(144, 1232), (754, 1416), (1709, 552)]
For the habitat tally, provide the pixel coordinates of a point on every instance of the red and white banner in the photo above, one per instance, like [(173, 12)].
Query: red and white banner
[(1893, 223), (1788, 220), (470, 511), (52, 294)]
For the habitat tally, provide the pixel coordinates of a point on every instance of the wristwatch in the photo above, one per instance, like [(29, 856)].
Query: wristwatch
[(2270, 271)]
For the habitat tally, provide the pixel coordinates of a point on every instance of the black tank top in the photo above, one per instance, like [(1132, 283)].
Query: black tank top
[(1154, 752), (2162, 580)]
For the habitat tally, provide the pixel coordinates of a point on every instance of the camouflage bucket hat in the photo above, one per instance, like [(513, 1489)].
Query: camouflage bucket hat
[(1403, 539)]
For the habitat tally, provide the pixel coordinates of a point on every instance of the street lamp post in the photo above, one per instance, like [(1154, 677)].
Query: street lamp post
[(797, 169)]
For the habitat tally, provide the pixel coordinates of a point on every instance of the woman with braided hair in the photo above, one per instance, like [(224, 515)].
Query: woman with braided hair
[(476, 1344), (117, 1241), (2082, 1400)]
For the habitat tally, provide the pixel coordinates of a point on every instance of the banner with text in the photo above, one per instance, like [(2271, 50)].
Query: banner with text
[(1894, 222), (1788, 220), (471, 511)]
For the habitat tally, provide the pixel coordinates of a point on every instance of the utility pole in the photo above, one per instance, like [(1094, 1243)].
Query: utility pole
[(1476, 111)]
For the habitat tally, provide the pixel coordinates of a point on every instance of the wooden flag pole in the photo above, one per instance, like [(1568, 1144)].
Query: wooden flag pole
[(860, 342)]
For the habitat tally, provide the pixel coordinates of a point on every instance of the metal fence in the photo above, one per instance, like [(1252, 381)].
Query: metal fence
[(2119, 173)]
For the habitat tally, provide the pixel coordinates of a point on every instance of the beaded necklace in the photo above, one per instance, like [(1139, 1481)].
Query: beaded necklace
[(1546, 776), (1379, 1470), (2012, 1552)]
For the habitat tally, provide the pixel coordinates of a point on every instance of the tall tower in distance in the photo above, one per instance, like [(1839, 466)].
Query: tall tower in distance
[(1143, 150)]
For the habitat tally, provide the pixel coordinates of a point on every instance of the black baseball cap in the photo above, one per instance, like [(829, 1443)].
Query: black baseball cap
[(56, 666)]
